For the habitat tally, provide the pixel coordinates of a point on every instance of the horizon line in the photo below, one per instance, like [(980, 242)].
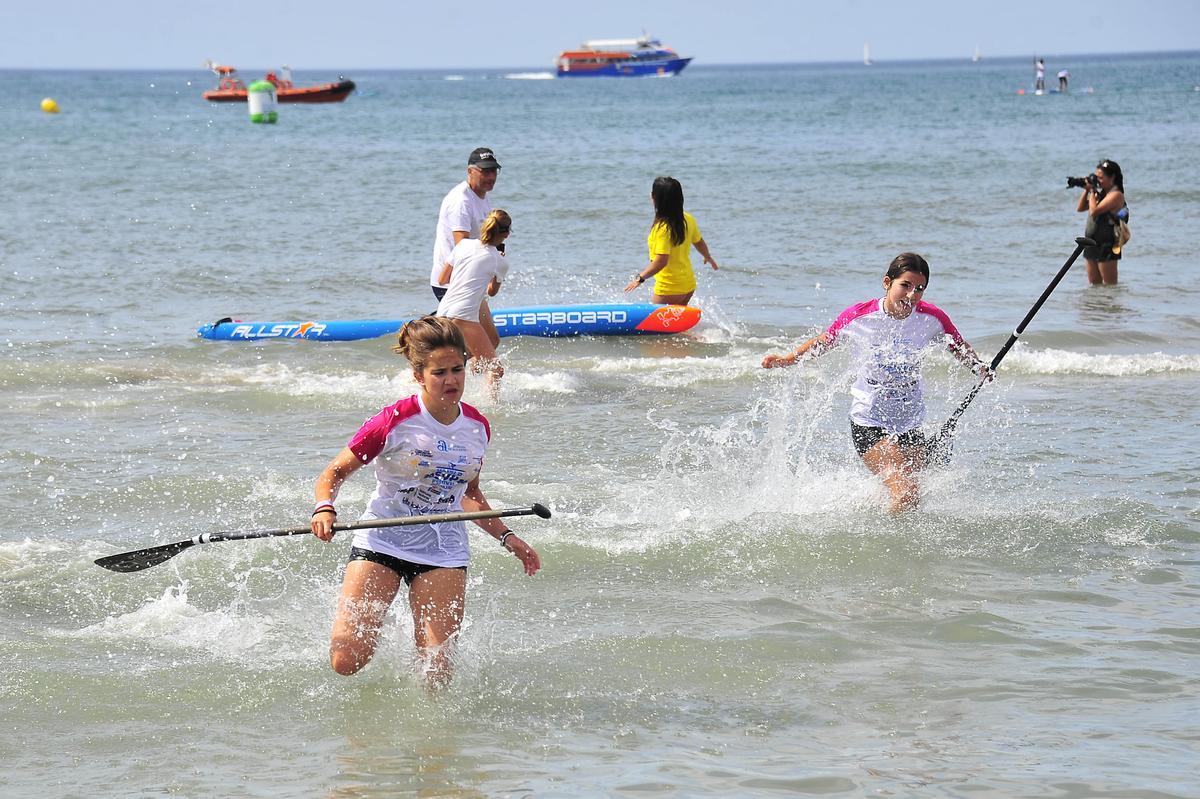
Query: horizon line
[(875, 62)]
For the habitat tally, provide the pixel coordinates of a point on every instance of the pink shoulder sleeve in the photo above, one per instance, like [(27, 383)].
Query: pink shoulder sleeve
[(849, 315), (370, 439), (937, 313), (472, 413)]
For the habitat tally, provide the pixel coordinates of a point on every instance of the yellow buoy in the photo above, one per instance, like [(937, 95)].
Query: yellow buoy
[(49, 106)]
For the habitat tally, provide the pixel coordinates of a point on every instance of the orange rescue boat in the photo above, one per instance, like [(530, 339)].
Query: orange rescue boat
[(231, 89)]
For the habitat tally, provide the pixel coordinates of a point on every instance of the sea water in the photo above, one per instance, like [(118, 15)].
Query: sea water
[(725, 608)]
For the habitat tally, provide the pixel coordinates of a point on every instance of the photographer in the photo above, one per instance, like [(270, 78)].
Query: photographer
[(1103, 198)]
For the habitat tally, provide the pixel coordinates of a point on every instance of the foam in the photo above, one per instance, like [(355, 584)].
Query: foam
[(171, 619), (687, 370), (1064, 362)]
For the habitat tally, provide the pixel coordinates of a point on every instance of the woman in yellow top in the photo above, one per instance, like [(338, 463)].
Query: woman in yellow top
[(671, 237)]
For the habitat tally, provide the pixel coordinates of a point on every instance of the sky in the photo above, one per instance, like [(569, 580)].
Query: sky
[(400, 34)]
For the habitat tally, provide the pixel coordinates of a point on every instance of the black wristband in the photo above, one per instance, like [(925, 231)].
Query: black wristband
[(327, 509)]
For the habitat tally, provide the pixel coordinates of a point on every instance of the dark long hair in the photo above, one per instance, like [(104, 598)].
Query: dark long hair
[(908, 262), (1113, 170), (668, 208)]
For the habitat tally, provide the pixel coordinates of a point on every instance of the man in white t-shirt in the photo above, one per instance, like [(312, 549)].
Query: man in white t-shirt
[(462, 213)]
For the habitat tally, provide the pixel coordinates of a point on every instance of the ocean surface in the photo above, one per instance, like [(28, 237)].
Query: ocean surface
[(725, 608)]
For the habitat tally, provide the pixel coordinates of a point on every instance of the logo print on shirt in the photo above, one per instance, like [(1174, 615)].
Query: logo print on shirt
[(443, 446)]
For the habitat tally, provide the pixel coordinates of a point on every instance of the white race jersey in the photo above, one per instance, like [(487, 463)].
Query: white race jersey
[(421, 466), (889, 392)]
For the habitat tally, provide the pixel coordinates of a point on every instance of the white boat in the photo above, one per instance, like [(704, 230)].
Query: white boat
[(976, 56), (867, 54)]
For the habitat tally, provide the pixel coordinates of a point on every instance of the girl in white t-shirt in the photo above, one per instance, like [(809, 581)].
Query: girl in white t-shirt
[(428, 450), (479, 267), (890, 336)]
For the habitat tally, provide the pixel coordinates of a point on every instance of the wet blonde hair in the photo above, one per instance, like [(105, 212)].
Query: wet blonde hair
[(420, 337), (498, 223)]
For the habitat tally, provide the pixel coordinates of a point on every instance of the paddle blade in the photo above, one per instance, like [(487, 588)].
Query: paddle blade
[(940, 450), (541, 510), (143, 558)]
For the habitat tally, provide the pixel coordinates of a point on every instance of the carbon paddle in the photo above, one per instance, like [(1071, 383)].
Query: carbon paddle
[(942, 444), (145, 558)]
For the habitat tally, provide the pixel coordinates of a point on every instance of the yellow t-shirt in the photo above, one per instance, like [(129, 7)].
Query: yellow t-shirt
[(677, 276)]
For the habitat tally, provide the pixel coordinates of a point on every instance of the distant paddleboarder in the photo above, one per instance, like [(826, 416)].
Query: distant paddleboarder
[(890, 336), (1039, 75), (428, 451)]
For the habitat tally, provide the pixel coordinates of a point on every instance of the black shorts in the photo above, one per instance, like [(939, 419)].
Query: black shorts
[(1102, 252), (405, 568), (866, 437), (439, 292)]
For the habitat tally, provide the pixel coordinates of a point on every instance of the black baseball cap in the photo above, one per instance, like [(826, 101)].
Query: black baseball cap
[(484, 158)]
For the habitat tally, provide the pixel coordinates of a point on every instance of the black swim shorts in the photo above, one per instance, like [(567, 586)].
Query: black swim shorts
[(866, 437), (406, 569), (1102, 252)]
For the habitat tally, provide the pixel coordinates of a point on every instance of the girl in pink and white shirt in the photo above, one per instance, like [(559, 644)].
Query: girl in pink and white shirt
[(890, 335), (428, 450)]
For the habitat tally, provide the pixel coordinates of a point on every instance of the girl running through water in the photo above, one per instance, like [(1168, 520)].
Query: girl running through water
[(890, 335), (428, 450)]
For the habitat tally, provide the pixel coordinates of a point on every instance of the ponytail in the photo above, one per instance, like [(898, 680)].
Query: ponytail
[(420, 337), (498, 223)]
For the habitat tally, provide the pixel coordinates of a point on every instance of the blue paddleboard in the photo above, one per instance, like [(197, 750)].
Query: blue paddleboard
[(545, 320)]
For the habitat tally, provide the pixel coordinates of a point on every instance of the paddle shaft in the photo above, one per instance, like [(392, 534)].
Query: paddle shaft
[(399, 521), (951, 423), (152, 556)]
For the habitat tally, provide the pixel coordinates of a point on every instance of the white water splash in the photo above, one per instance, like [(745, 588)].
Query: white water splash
[(1063, 362)]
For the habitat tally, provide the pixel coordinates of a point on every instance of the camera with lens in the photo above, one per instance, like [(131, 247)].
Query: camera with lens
[(1088, 182)]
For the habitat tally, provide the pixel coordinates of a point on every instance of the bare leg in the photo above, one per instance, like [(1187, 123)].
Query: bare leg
[(438, 598), (485, 319), (483, 354), (367, 592), (1108, 272), (896, 468), (671, 299), (1093, 272)]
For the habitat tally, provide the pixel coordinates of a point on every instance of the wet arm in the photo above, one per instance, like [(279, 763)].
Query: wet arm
[(702, 248), (1112, 202), (656, 266), (344, 464), (814, 347), (474, 500), (967, 356)]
